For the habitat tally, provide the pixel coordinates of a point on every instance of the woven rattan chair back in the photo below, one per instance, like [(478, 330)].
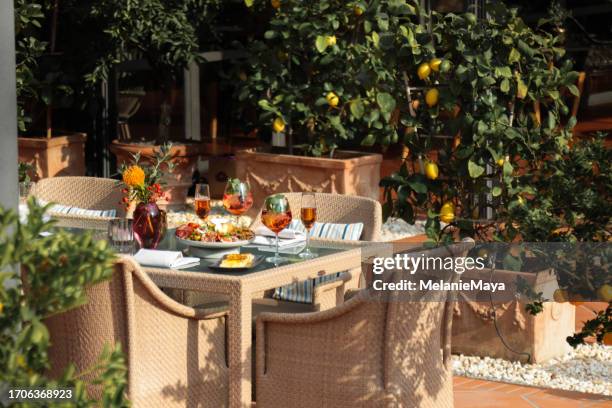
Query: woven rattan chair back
[(175, 355), (337, 208), (90, 193), (375, 350)]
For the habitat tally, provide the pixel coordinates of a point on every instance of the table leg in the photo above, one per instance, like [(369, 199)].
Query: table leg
[(240, 345)]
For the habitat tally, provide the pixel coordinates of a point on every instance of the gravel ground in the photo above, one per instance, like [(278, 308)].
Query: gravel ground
[(588, 369)]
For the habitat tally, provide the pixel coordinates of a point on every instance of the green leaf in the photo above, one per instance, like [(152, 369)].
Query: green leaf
[(357, 108), (573, 89), (249, 3), (386, 102), (504, 72), (504, 86), (521, 91), (514, 56), (369, 140), (270, 34), (475, 170), (496, 192), (418, 186), (321, 43)]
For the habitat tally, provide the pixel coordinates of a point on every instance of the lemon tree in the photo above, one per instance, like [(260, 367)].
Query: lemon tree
[(331, 70), (489, 108)]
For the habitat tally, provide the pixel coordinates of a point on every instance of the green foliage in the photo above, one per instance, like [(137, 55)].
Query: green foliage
[(314, 48), (500, 72), (56, 269), (165, 33), (570, 200), (596, 327), (28, 48)]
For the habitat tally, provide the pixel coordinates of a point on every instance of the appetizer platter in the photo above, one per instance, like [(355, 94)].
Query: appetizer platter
[(213, 235)]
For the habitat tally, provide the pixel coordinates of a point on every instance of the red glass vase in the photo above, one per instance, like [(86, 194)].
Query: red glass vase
[(149, 225)]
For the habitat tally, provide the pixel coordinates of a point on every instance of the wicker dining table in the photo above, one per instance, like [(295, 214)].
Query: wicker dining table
[(242, 287)]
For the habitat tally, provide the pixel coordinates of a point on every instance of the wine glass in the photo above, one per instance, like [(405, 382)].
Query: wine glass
[(202, 201), (237, 197), (308, 215), (276, 215)]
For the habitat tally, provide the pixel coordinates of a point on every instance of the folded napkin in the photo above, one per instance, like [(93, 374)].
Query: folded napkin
[(164, 259), (288, 237)]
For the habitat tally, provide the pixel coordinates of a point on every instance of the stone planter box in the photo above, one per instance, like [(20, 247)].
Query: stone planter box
[(184, 156), (57, 156), (542, 336), (351, 173)]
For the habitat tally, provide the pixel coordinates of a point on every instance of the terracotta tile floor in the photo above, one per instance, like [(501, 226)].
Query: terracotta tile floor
[(470, 393)]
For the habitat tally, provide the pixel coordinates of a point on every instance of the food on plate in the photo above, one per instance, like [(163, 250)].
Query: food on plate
[(237, 261), (210, 232)]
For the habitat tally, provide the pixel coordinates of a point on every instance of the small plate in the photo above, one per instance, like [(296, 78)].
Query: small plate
[(215, 265)]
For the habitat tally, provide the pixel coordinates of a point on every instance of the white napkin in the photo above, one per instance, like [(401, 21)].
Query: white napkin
[(288, 237), (164, 259)]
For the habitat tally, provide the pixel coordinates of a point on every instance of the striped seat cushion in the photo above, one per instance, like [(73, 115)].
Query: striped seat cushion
[(69, 210), (301, 292)]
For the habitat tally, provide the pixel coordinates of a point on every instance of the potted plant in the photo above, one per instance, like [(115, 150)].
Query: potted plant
[(40, 81), (325, 74), (485, 114)]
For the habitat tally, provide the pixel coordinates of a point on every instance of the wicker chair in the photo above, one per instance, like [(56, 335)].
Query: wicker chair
[(339, 208), (175, 354), (90, 193), (374, 350)]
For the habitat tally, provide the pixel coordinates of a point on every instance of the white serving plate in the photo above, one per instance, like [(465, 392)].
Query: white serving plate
[(213, 245)]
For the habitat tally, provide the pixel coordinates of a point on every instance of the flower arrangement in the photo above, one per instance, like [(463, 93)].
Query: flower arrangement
[(143, 181)]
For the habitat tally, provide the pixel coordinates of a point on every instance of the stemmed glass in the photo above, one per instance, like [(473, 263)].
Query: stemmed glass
[(202, 201), (276, 215), (237, 197), (308, 214)]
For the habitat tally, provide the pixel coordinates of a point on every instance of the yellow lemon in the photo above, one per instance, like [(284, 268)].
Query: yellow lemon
[(447, 212), (358, 10), (500, 162), (431, 170), (605, 293), (431, 97), (278, 125), (275, 3), (423, 71), (607, 339), (1, 308), (434, 64), (330, 40), (332, 99), (560, 296), (521, 200)]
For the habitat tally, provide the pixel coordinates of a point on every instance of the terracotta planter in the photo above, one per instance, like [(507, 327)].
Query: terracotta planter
[(351, 173), (57, 156), (184, 156), (542, 336)]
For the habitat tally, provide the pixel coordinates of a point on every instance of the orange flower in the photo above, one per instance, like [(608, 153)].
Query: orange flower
[(134, 176)]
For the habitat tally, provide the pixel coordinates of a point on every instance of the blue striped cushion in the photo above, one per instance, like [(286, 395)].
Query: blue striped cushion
[(66, 209), (301, 292)]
